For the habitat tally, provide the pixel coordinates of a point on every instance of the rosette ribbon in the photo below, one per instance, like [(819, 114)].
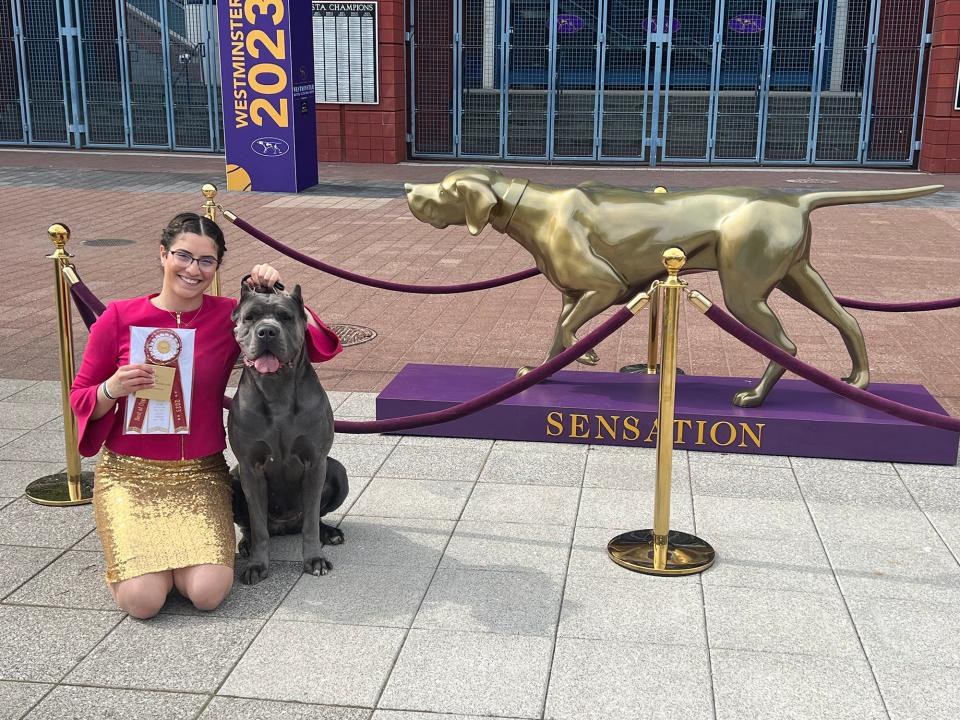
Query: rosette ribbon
[(163, 347)]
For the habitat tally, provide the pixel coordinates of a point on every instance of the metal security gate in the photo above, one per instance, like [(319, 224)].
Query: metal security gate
[(699, 81), (109, 73)]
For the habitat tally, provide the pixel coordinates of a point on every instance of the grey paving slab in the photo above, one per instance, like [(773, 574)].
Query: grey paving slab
[(228, 708), (15, 475), (633, 607), (506, 603), (314, 663), (89, 542), (476, 673), (445, 442), (358, 404), (543, 467), (428, 462), (336, 398), (354, 594), (737, 459), (525, 446), (779, 621), (37, 445), (909, 470), (761, 518), (167, 652), (362, 439), (8, 435), (605, 680), (410, 498), (68, 702), (42, 644), (407, 715), (779, 686), (629, 468), (535, 504), (888, 542), (932, 492), (20, 564), (43, 392), (75, 579), (918, 692), (947, 525), (602, 507), (27, 416), (909, 631), (245, 601), (356, 486), (10, 387), (744, 481), (504, 546), (589, 556), (843, 488), (391, 541), (16, 698), (362, 460), (806, 468), (25, 523)]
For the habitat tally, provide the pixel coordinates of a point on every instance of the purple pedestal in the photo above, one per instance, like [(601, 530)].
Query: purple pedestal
[(798, 418)]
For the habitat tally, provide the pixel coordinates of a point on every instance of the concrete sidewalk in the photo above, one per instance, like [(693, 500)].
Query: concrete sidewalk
[(474, 580)]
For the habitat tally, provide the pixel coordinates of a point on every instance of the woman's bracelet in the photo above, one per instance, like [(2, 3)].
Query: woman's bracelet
[(106, 393)]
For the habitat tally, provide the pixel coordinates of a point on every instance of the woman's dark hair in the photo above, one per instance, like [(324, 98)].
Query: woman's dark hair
[(197, 224)]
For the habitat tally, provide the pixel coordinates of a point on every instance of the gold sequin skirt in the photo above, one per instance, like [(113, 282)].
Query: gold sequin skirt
[(155, 515)]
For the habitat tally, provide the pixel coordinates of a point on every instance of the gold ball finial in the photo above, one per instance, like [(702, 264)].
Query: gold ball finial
[(209, 191), (59, 235), (673, 260), (659, 189)]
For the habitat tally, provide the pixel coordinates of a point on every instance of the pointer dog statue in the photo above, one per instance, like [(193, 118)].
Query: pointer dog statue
[(600, 245)]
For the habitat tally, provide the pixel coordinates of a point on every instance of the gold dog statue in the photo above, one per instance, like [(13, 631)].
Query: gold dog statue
[(599, 245)]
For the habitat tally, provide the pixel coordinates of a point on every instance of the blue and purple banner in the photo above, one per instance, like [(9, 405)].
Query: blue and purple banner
[(269, 111)]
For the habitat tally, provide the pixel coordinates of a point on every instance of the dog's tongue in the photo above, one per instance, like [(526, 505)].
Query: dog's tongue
[(267, 363)]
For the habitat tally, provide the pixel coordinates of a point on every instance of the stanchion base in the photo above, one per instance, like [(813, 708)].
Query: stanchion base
[(686, 554), (54, 490), (641, 369)]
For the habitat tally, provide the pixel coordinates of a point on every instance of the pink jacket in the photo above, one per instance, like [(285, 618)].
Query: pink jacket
[(215, 352)]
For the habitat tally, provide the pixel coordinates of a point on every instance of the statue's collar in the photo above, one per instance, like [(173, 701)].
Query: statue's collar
[(508, 205)]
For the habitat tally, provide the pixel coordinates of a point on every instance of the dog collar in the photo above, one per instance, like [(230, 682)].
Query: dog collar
[(509, 202)]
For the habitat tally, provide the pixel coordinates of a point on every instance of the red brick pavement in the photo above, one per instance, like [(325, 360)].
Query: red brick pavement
[(877, 252)]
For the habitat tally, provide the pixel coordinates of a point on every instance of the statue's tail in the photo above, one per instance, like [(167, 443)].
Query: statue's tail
[(812, 201)]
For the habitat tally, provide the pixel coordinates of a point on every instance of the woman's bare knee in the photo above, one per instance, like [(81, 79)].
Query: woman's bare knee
[(205, 586), (142, 597)]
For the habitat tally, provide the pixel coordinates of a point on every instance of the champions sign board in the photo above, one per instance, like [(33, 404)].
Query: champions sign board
[(269, 111)]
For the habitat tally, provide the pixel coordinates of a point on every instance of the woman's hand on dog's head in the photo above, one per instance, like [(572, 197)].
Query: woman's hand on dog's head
[(263, 276)]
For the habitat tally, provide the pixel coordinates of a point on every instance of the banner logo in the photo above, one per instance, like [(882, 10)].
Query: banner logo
[(270, 146)]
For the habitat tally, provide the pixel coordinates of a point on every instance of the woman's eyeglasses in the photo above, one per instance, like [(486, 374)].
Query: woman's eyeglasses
[(183, 259)]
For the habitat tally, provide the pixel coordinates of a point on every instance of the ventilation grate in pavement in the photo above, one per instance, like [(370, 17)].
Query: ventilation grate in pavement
[(353, 334)]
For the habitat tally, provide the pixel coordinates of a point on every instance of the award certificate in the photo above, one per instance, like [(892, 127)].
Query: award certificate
[(171, 350)]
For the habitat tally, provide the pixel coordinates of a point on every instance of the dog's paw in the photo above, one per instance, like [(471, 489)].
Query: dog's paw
[(330, 535), (253, 573), (524, 370), (748, 399), (589, 358), (318, 565)]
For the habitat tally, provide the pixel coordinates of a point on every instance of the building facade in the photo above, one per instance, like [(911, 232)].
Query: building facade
[(728, 82)]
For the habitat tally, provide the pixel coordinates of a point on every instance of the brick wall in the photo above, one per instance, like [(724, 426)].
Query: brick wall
[(372, 133), (940, 151)]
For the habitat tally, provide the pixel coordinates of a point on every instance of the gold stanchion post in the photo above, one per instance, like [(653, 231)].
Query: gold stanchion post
[(662, 551), (210, 210), (72, 487)]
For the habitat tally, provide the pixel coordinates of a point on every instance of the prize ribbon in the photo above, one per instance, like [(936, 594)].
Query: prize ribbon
[(162, 347)]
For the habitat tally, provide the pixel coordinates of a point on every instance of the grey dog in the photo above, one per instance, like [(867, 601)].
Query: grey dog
[(281, 429)]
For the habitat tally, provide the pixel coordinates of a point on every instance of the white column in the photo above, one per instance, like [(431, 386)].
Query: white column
[(489, 43), (839, 45)]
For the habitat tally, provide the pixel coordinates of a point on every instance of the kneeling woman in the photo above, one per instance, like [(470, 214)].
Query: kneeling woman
[(162, 501)]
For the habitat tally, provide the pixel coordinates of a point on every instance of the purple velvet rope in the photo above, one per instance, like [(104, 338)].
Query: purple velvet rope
[(88, 304), (900, 307), (372, 282), (616, 321), (785, 359)]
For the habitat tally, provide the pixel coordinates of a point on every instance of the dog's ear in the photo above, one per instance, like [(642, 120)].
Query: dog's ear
[(478, 201), (297, 295)]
